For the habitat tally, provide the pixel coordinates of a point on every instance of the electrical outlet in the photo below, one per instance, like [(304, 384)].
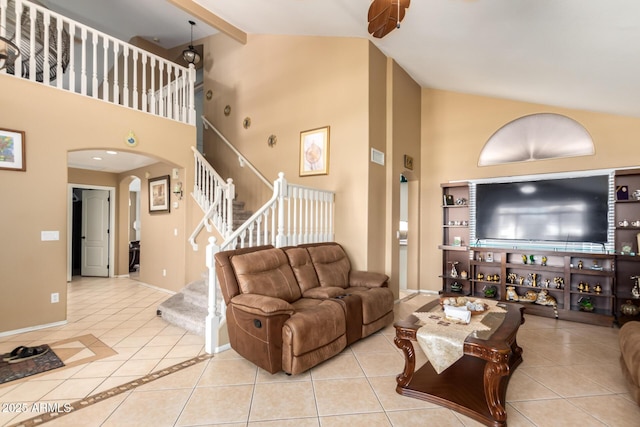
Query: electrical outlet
[(55, 297), (164, 272)]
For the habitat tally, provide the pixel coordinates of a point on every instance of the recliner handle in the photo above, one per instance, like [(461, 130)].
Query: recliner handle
[(257, 323)]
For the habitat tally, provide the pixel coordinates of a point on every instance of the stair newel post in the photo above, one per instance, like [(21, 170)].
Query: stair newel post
[(191, 85), (230, 197), (282, 189), (214, 316)]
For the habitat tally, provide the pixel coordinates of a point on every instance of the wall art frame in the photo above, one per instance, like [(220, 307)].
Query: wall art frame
[(12, 150), (314, 152), (159, 194)]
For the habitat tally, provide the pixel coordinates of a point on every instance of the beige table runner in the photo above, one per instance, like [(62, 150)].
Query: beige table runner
[(443, 341)]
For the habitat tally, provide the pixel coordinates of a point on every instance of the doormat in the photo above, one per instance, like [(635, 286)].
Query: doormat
[(15, 371)]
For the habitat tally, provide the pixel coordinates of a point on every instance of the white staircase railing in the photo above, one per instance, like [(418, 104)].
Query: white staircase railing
[(215, 196), (241, 159), (60, 52), (294, 215)]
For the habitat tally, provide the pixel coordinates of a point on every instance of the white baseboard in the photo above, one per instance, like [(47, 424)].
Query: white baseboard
[(221, 348), (32, 328), (157, 288)]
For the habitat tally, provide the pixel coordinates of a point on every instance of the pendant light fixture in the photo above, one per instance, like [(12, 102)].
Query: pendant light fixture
[(191, 55), (8, 52)]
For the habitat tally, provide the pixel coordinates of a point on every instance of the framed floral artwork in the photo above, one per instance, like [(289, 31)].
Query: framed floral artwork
[(314, 152), (12, 150)]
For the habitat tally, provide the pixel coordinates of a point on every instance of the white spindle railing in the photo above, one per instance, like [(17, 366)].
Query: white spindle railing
[(294, 215), (215, 196), (92, 63), (241, 159)]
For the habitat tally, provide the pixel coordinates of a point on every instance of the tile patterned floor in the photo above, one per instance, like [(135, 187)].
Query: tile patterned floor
[(570, 375)]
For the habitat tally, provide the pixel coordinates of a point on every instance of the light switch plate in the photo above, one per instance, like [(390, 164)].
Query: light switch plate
[(49, 235)]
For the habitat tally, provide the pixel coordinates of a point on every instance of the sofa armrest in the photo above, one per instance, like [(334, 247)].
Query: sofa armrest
[(262, 305), (324, 292), (368, 279)]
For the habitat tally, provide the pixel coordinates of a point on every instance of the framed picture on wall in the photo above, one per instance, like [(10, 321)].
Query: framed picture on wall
[(12, 150), (159, 194), (314, 152)]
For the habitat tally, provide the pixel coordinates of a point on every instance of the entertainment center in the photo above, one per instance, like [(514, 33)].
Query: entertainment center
[(564, 245)]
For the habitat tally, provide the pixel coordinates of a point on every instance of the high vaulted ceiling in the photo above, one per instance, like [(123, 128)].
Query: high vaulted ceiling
[(582, 54)]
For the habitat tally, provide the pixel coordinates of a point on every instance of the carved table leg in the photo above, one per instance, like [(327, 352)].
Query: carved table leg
[(409, 360), (494, 372)]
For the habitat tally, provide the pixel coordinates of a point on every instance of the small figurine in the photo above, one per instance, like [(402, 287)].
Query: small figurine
[(547, 282), (511, 277), (521, 280), (580, 265), (559, 281), (545, 299), (597, 289), (512, 294), (635, 291), (580, 287), (532, 259), (456, 287), (454, 271), (544, 261), (490, 291), (586, 287), (463, 274), (524, 259), (629, 309), (480, 276), (586, 304)]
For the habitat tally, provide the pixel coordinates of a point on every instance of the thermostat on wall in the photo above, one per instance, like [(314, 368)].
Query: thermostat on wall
[(377, 156)]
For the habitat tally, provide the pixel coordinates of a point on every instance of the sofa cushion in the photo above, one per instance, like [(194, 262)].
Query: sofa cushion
[(266, 273), (303, 268), (331, 264), (313, 325)]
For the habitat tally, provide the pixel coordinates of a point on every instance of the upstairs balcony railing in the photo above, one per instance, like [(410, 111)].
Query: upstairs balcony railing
[(62, 53)]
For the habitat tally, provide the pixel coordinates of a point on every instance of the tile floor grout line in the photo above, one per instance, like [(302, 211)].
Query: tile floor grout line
[(112, 392)]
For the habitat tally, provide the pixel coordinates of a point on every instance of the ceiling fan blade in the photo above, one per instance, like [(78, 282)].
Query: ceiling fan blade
[(384, 16), (377, 8)]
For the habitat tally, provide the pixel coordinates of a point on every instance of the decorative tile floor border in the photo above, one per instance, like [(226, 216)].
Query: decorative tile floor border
[(99, 397), (73, 352)]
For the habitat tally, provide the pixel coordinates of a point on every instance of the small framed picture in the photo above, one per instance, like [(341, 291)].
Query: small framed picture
[(622, 192), (457, 241), (159, 194), (489, 257), (448, 200), (12, 150), (314, 152), (408, 162)]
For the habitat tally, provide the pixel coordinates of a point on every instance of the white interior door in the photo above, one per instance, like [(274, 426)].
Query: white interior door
[(95, 233)]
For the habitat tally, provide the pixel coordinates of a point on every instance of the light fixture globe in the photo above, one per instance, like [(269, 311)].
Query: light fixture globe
[(8, 52), (191, 55)]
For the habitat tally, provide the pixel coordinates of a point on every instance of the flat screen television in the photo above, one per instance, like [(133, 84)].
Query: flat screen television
[(553, 210)]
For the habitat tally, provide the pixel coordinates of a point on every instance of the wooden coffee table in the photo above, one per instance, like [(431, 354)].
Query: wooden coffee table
[(476, 384)]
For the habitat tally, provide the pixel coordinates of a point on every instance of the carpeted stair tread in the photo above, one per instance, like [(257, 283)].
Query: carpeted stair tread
[(196, 293), (177, 311)]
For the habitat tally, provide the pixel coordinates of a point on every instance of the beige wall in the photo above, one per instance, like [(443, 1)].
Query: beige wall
[(403, 116), (36, 200), (289, 84), (456, 126)]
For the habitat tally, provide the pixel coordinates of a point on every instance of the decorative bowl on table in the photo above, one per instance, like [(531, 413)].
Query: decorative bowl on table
[(475, 307)]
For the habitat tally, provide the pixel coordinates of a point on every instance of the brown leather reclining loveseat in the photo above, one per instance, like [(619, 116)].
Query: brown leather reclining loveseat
[(289, 309)]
